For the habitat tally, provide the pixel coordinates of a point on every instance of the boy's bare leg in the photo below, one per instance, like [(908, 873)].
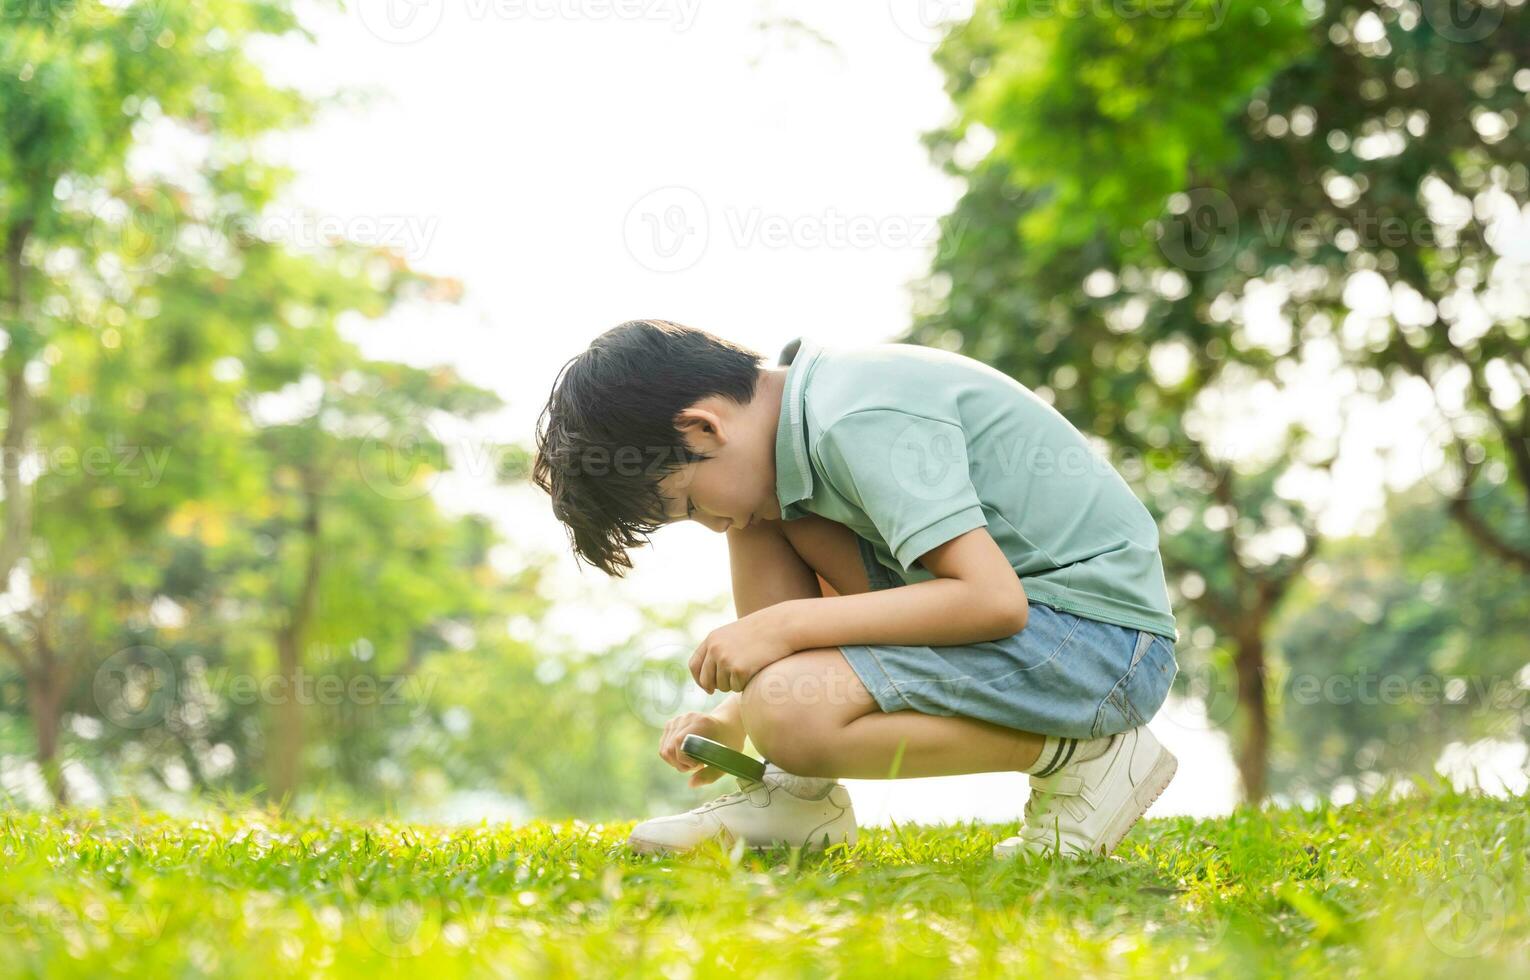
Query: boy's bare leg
[(809, 713), (774, 561), (767, 569)]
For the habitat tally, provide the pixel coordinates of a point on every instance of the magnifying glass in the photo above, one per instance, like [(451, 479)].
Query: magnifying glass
[(719, 756)]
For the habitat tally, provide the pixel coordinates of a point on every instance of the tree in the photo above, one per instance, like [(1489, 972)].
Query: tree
[(1397, 645), (364, 557), (145, 310), (1385, 172), (1139, 185), (85, 240), (1026, 281)]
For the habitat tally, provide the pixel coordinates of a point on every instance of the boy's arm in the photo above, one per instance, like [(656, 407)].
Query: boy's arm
[(975, 596), (910, 475), (730, 713)]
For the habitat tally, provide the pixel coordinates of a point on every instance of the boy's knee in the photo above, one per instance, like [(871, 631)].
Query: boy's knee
[(785, 728)]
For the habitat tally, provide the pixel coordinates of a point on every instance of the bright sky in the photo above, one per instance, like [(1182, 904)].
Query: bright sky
[(578, 163), (577, 168)]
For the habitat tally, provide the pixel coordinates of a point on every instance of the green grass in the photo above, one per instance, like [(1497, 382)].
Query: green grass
[(1423, 886)]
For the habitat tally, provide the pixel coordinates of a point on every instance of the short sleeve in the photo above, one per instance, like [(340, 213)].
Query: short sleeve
[(907, 473)]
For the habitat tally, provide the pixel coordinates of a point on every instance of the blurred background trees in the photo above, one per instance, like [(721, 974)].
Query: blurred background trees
[(1211, 238), (226, 570), (1396, 646), (1233, 244)]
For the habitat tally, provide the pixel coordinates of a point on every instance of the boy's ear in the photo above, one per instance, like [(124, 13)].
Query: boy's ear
[(703, 428)]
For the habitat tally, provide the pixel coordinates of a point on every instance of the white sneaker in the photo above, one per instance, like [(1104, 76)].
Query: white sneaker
[(762, 814), (1087, 807)]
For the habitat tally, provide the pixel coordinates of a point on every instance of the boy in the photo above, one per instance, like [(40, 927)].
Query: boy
[(934, 574)]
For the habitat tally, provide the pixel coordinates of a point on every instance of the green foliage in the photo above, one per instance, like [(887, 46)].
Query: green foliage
[(1393, 647), (231, 496), (1430, 885), (1152, 179), (1110, 108)]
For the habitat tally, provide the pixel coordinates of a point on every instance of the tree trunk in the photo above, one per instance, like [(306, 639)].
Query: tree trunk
[(45, 686), (1254, 747), (16, 537), (44, 701), (286, 740)]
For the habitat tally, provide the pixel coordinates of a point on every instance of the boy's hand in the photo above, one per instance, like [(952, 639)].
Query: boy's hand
[(732, 654), (707, 726)]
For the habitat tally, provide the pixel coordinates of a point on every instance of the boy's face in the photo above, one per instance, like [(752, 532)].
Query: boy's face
[(737, 485)]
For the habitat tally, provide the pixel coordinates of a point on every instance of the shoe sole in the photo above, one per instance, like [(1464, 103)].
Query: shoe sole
[(1144, 797)]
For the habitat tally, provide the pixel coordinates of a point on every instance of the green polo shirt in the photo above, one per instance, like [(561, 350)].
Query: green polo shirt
[(912, 446)]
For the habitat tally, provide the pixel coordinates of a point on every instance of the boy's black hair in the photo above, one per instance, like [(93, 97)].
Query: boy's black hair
[(607, 435)]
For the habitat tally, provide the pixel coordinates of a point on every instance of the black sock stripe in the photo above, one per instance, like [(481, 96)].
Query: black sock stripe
[(1072, 744), (1063, 745), (1042, 770)]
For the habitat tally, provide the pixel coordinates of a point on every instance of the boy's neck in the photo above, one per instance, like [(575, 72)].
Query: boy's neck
[(770, 392)]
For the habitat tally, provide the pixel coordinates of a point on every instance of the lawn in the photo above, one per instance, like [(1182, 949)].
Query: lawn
[(1427, 885)]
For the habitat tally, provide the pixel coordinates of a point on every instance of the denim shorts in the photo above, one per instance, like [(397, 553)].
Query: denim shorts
[(1062, 675)]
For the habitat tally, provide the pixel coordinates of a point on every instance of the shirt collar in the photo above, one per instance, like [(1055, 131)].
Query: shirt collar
[(794, 478)]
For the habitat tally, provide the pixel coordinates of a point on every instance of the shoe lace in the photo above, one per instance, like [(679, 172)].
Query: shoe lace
[(726, 798)]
